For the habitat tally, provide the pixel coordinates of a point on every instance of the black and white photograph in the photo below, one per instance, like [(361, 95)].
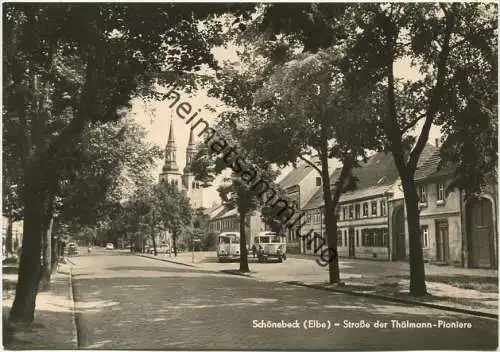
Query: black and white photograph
[(250, 176)]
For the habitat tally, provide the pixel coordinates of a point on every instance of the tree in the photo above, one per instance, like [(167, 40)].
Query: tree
[(91, 58), (174, 209), (308, 106), (443, 42), (250, 175)]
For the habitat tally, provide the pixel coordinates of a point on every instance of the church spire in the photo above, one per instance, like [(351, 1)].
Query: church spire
[(190, 152), (170, 151), (171, 137)]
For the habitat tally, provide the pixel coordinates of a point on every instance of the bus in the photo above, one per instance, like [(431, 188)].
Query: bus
[(228, 246)]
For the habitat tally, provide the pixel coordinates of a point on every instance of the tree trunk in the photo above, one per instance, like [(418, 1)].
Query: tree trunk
[(417, 268), (54, 255), (330, 226), (174, 240), (8, 237), (46, 256), (23, 308), (243, 244), (154, 241)]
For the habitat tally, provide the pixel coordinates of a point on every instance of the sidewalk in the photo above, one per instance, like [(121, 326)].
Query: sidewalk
[(54, 324), (449, 287)]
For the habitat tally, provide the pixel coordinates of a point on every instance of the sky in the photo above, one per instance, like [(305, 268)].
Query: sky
[(156, 117)]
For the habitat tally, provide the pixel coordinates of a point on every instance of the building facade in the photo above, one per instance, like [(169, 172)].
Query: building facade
[(301, 184), (362, 214), (455, 230), (365, 216)]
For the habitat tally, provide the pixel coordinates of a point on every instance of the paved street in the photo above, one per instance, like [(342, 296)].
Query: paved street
[(129, 302)]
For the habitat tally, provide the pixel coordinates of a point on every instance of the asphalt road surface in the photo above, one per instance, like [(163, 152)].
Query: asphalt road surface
[(129, 302)]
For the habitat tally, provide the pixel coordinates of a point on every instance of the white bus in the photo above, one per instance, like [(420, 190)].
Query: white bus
[(228, 246)]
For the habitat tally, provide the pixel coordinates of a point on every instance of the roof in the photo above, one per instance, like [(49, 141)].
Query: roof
[(218, 211), (430, 168), (375, 176), (229, 213), (295, 176)]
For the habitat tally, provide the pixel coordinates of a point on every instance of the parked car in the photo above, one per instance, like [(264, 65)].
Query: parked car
[(110, 246), (72, 248)]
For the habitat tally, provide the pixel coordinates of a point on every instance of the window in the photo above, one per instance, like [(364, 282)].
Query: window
[(351, 211), (345, 237), (316, 217), (424, 230), (374, 208), (374, 237), (308, 218), (193, 186), (344, 211), (440, 192), (365, 209), (339, 238), (422, 195), (358, 211), (318, 181), (383, 209), (357, 234)]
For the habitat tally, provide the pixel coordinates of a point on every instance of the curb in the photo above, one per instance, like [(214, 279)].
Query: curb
[(395, 299), (166, 260), (227, 272), (73, 311)]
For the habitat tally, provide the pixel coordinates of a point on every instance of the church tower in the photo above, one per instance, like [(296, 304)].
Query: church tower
[(193, 188), (170, 172)]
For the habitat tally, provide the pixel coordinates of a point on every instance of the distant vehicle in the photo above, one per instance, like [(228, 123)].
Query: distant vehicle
[(270, 245), (110, 246), (228, 246), (72, 248)]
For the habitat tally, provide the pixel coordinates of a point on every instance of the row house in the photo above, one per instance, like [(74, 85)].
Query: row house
[(364, 215), (455, 230), (301, 184), (372, 220)]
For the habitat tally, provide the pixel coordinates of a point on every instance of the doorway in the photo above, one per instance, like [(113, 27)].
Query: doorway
[(398, 234), (442, 241), (352, 243), (480, 233)]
